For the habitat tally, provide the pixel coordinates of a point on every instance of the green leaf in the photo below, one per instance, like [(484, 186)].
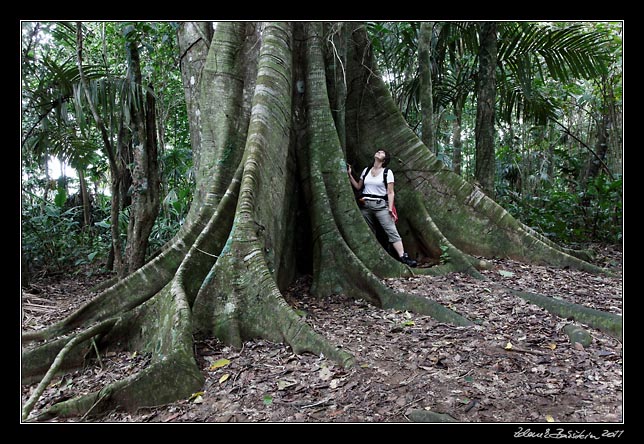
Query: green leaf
[(218, 364), (60, 198), (102, 224), (195, 395), (268, 400)]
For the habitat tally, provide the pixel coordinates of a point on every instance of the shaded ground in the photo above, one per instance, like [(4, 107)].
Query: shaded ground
[(515, 365)]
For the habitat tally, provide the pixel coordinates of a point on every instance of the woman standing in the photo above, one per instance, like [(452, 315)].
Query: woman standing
[(378, 201)]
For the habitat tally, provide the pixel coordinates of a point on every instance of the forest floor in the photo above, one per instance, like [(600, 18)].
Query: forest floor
[(515, 365)]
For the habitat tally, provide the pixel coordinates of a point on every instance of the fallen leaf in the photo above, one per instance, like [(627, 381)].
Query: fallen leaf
[(195, 396), (508, 346), (506, 274), (550, 418), (282, 384), (552, 346), (325, 374), (218, 364), (224, 377)]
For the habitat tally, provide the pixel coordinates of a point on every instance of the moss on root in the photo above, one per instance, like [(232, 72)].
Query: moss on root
[(607, 322), (578, 335), (162, 327), (240, 301)]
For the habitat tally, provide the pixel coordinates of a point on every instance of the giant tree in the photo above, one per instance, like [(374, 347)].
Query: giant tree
[(277, 110)]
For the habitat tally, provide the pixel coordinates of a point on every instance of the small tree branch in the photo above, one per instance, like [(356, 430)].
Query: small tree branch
[(601, 162), (83, 336)]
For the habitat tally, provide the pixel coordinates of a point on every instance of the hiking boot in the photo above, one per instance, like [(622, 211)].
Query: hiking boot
[(405, 259)]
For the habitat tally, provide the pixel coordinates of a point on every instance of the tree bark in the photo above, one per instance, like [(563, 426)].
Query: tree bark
[(145, 167), (87, 209), (194, 40), (457, 141), (596, 162), (269, 144), (425, 38), (485, 109)]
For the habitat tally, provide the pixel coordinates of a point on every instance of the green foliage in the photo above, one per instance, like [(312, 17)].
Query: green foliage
[(556, 83), (179, 180), (53, 238), (445, 257), (58, 124), (563, 214)]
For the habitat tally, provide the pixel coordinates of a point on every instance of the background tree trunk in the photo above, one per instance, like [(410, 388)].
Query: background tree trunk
[(596, 162), (87, 209), (145, 165), (425, 38), (457, 141), (485, 109), (114, 162)]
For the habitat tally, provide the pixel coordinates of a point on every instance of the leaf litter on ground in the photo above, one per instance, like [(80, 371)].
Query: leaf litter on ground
[(515, 364)]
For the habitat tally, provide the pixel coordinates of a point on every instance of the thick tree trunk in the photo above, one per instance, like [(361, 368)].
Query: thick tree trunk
[(486, 101), (240, 298), (194, 40), (269, 142), (335, 62)]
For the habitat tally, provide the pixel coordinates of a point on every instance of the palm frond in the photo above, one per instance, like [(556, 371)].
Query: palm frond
[(570, 52)]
